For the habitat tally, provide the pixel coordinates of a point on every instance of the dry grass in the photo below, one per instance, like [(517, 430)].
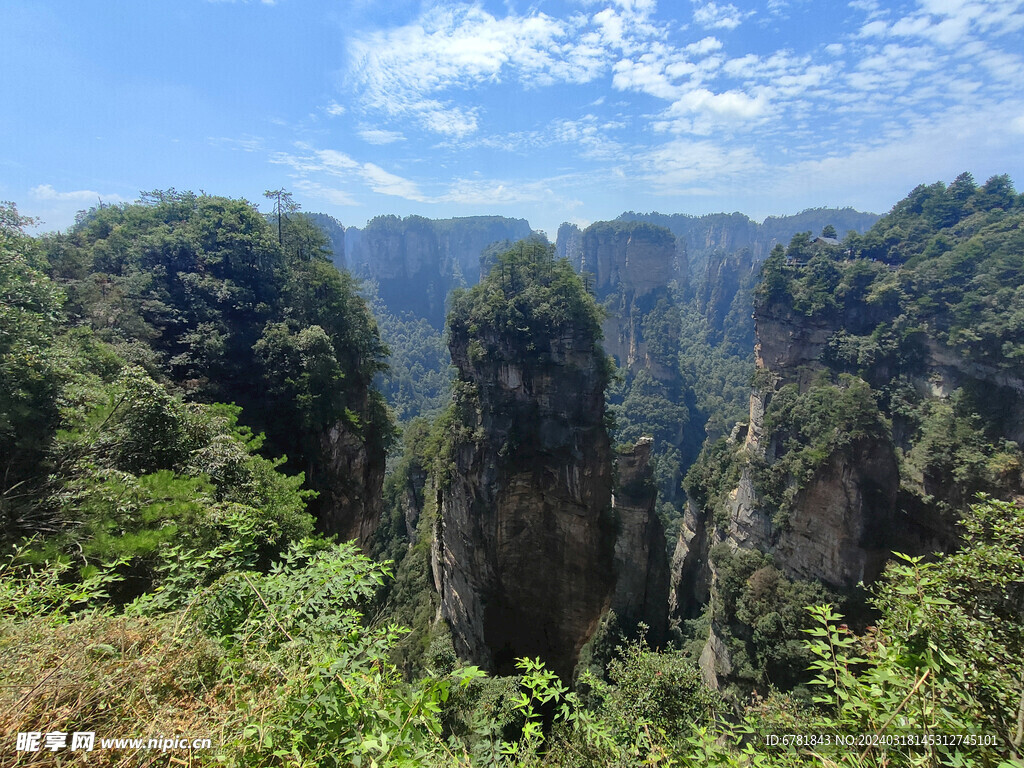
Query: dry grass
[(118, 677)]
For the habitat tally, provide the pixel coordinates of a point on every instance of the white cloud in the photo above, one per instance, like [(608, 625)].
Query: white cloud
[(380, 136), (685, 167), (704, 46), (875, 28), (880, 73), (939, 146), (334, 109), (56, 209), (489, 192), (397, 71), (452, 121), (81, 196), (725, 16), (728, 105), (386, 183), (325, 193), (590, 136), (332, 162), (335, 162)]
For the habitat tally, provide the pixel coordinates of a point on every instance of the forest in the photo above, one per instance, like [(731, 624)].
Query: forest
[(645, 499)]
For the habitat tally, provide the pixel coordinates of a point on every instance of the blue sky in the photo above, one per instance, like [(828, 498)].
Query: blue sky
[(568, 110)]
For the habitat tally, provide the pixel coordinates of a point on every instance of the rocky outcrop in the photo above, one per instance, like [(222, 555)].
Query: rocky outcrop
[(635, 258), (569, 243), (524, 544), (723, 296), (335, 234), (840, 528), (416, 261), (641, 564), (689, 571)]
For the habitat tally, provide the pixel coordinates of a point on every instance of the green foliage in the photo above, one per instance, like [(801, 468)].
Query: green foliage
[(716, 344), (661, 691), (419, 379), (139, 472), (715, 474), (952, 458), (808, 428), (339, 701), (653, 408), (202, 292), (29, 591), (946, 260), (528, 295), (759, 614), (30, 379)]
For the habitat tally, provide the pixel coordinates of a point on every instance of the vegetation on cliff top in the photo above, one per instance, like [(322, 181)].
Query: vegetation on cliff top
[(946, 261), (530, 295)]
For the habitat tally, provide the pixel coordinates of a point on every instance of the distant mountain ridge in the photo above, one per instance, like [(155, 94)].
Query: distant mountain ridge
[(700, 236), (416, 262)]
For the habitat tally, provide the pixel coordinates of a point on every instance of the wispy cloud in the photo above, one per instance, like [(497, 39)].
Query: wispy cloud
[(55, 207), (81, 196), (244, 143), (380, 136), (687, 167), (401, 72), (310, 162)]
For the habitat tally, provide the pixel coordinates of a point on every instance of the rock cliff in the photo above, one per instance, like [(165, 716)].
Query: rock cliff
[(830, 474), (525, 537), (348, 474), (701, 236), (416, 261), (641, 563), (529, 550), (631, 267)]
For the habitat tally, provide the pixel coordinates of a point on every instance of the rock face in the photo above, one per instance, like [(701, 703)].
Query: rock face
[(349, 480), (569, 243), (841, 526), (727, 275), (632, 265), (335, 234), (530, 548), (641, 564), (524, 551), (850, 514), (416, 261), (689, 571), (636, 257)]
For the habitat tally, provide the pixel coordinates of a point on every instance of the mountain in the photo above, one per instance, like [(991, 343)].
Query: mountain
[(527, 529), (217, 305), (699, 236), (416, 262), (887, 394)]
